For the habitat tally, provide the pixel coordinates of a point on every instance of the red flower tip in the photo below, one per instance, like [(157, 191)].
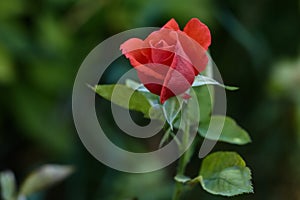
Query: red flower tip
[(171, 24), (199, 32), (168, 60)]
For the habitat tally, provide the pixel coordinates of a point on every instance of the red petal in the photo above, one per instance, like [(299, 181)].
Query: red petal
[(131, 44), (133, 50), (179, 78), (199, 32), (152, 71), (152, 75), (154, 88), (171, 24), (194, 51)]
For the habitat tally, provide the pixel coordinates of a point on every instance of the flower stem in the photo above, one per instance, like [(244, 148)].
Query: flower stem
[(183, 161)]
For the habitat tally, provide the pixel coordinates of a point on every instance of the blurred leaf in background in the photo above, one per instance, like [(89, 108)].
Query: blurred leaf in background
[(8, 185), (39, 180)]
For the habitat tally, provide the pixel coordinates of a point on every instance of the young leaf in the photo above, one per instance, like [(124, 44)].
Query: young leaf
[(204, 80), (8, 185), (225, 173), (165, 138), (152, 98), (171, 109), (231, 132), (136, 86), (118, 94), (203, 96), (200, 97), (182, 178), (44, 177)]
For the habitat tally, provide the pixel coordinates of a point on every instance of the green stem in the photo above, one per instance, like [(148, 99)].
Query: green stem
[(183, 161)]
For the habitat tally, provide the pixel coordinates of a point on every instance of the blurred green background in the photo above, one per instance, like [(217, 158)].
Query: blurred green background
[(255, 45)]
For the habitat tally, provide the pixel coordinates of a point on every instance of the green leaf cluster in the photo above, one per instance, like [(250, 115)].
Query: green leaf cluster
[(221, 173)]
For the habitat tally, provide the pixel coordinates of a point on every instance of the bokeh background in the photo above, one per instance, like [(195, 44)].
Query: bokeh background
[(255, 44)]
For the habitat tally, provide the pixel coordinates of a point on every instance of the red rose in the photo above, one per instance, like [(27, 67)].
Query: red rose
[(168, 60)]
